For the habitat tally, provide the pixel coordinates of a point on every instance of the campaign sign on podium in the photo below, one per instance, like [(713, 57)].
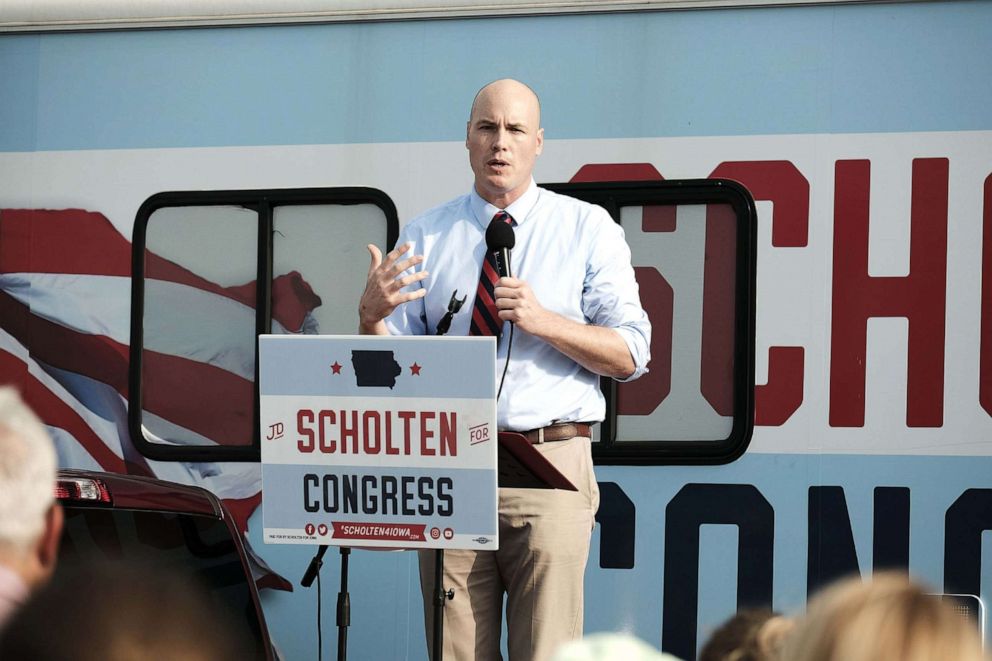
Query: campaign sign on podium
[(379, 441)]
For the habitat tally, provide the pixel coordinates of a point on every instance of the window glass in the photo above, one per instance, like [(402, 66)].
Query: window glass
[(205, 288), (198, 352), (320, 263), (692, 247), (685, 262)]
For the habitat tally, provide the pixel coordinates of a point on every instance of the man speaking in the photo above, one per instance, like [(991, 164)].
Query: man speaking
[(574, 303)]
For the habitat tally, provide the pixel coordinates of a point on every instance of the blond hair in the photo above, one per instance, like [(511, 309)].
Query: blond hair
[(886, 618)]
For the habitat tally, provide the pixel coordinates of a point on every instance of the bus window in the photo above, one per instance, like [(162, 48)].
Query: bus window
[(212, 271), (198, 351), (692, 247)]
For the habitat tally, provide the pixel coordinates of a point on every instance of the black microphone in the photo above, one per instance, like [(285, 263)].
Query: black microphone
[(500, 239)]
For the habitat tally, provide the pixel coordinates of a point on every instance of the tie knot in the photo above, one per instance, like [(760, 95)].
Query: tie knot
[(502, 217)]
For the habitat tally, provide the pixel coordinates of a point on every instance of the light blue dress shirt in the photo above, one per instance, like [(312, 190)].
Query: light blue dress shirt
[(575, 259)]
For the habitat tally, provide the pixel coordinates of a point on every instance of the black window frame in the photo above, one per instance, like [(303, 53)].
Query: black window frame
[(262, 201), (612, 196)]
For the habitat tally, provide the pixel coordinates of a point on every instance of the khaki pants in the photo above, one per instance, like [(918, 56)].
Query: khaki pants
[(543, 547)]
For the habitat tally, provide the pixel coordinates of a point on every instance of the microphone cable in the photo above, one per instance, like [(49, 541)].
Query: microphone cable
[(509, 347)]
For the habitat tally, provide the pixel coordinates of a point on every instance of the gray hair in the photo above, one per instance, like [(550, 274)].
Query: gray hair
[(28, 466)]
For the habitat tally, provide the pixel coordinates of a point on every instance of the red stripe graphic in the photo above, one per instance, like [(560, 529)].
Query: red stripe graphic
[(195, 395), (227, 399), (55, 412), (73, 241), (67, 241)]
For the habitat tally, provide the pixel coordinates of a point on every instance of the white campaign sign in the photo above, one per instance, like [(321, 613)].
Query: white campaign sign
[(379, 441)]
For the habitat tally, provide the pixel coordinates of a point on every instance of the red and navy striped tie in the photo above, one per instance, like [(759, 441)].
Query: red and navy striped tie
[(485, 316)]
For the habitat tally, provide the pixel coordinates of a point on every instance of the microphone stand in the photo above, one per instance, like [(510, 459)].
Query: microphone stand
[(439, 598), (344, 607), (344, 599), (454, 305)]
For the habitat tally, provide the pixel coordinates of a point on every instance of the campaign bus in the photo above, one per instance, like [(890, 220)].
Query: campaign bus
[(806, 189)]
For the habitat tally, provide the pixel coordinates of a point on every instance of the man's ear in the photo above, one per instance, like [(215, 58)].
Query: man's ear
[(48, 545), (540, 140), (468, 129)]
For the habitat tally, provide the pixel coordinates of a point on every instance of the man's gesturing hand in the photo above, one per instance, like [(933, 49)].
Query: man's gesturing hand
[(383, 288), (517, 303)]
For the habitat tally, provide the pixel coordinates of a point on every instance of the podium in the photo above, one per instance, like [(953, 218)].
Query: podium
[(388, 443), (378, 442)]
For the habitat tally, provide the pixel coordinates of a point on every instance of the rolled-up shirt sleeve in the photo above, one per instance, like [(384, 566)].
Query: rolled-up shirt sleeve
[(610, 295)]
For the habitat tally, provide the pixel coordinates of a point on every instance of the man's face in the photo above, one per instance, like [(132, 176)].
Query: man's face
[(504, 139)]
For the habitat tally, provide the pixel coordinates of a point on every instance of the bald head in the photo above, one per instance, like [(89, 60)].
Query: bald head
[(504, 137), (506, 88)]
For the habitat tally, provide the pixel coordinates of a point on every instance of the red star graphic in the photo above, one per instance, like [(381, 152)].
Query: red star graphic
[(415, 369), (336, 367)]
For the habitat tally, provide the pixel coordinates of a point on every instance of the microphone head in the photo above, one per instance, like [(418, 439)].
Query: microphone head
[(500, 235)]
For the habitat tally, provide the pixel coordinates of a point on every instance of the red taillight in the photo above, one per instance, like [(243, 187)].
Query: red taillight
[(82, 488)]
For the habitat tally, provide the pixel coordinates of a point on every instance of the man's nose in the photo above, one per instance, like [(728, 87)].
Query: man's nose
[(499, 139)]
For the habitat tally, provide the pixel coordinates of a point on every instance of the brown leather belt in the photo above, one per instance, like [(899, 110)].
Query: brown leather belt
[(559, 432)]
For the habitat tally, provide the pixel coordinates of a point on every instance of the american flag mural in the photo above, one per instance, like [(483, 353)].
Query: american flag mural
[(65, 286)]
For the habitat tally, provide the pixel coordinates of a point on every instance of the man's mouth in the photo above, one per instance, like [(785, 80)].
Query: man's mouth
[(497, 163)]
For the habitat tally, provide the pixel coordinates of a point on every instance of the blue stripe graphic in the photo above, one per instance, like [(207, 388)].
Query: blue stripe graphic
[(852, 68)]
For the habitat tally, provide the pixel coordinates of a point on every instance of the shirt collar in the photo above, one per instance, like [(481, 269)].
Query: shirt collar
[(519, 210)]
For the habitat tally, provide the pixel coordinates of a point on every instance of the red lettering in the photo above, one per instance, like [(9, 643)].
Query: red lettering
[(326, 419), (654, 217), (776, 401), (781, 183), (349, 432), (406, 417), (719, 308), (426, 434), (920, 296), (448, 437), (390, 448), (371, 440), (304, 445), (598, 172), (644, 395), (985, 362)]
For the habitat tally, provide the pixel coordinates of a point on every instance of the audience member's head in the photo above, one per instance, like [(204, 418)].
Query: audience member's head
[(888, 618), (121, 612), (30, 519), (750, 635)]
